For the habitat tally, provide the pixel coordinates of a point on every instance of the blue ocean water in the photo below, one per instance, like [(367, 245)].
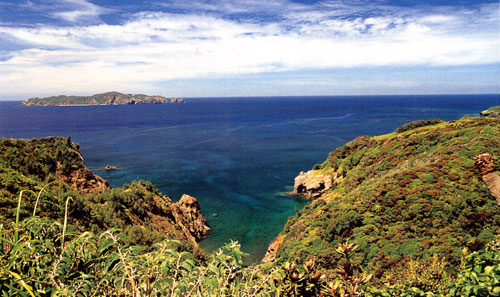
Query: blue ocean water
[(237, 156)]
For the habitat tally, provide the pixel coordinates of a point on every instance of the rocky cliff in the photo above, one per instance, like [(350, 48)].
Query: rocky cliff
[(314, 183), (187, 214), (109, 98), (486, 166), (82, 179)]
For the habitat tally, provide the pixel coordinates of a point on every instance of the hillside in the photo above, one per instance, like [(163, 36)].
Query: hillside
[(109, 98), (54, 169), (492, 112), (410, 194)]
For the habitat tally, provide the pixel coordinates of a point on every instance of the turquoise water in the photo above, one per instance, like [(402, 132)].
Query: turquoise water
[(237, 156)]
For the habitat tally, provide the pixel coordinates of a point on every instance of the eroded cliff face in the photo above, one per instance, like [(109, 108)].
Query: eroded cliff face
[(182, 219), (486, 166), (314, 183), (187, 213), (81, 179), (272, 250)]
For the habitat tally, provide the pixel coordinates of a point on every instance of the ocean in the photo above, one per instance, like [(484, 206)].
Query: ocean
[(237, 156)]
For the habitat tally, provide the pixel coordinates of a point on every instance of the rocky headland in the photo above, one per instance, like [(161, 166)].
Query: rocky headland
[(491, 112), (429, 187), (56, 166), (109, 98)]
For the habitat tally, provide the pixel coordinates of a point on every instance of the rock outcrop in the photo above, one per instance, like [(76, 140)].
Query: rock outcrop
[(488, 113), (176, 100), (486, 166), (272, 250), (187, 214), (80, 178), (85, 181), (182, 219), (312, 184)]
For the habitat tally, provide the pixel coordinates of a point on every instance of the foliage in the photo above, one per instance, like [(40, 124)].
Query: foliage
[(417, 124), (494, 109), (38, 264), (480, 275), (103, 265)]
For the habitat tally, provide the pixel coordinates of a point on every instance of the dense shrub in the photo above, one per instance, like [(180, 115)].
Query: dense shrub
[(417, 124)]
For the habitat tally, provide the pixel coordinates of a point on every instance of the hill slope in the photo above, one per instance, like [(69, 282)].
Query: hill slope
[(412, 193)]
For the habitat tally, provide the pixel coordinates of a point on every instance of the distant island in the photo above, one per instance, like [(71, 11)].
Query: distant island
[(109, 98)]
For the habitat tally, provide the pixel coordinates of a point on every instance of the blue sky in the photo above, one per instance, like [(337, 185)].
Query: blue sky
[(190, 48)]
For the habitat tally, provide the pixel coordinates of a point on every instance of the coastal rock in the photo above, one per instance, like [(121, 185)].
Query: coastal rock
[(84, 181), (176, 100), (312, 184), (486, 166), (492, 114), (272, 250), (188, 215), (81, 179), (484, 163)]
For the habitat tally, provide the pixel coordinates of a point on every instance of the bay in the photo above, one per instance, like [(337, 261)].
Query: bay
[(237, 156)]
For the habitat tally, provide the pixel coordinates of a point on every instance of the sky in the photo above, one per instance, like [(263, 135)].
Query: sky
[(217, 48)]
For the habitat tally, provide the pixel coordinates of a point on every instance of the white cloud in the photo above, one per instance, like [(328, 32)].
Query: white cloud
[(155, 46), (76, 10)]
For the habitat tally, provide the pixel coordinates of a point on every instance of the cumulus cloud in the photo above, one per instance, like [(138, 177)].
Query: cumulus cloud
[(158, 46)]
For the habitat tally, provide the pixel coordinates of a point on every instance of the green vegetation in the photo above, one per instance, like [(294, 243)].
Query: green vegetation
[(409, 217), (492, 112), (417, 124), (406, 196), (494, 109), (47, 171), (109, 98), (37, 264)]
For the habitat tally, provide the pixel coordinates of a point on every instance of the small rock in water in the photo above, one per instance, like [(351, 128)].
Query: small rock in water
[(215, 215)]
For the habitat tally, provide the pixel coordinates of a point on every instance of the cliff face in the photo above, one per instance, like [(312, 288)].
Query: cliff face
[(110, 98), (57, 166), (182, 220), (54, 157), (486, 166), (314, 183), (413, 193), (188, 214), (82, 179)]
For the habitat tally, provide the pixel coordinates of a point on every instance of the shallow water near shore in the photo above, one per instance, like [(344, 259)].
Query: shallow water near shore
[(237, 156)]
